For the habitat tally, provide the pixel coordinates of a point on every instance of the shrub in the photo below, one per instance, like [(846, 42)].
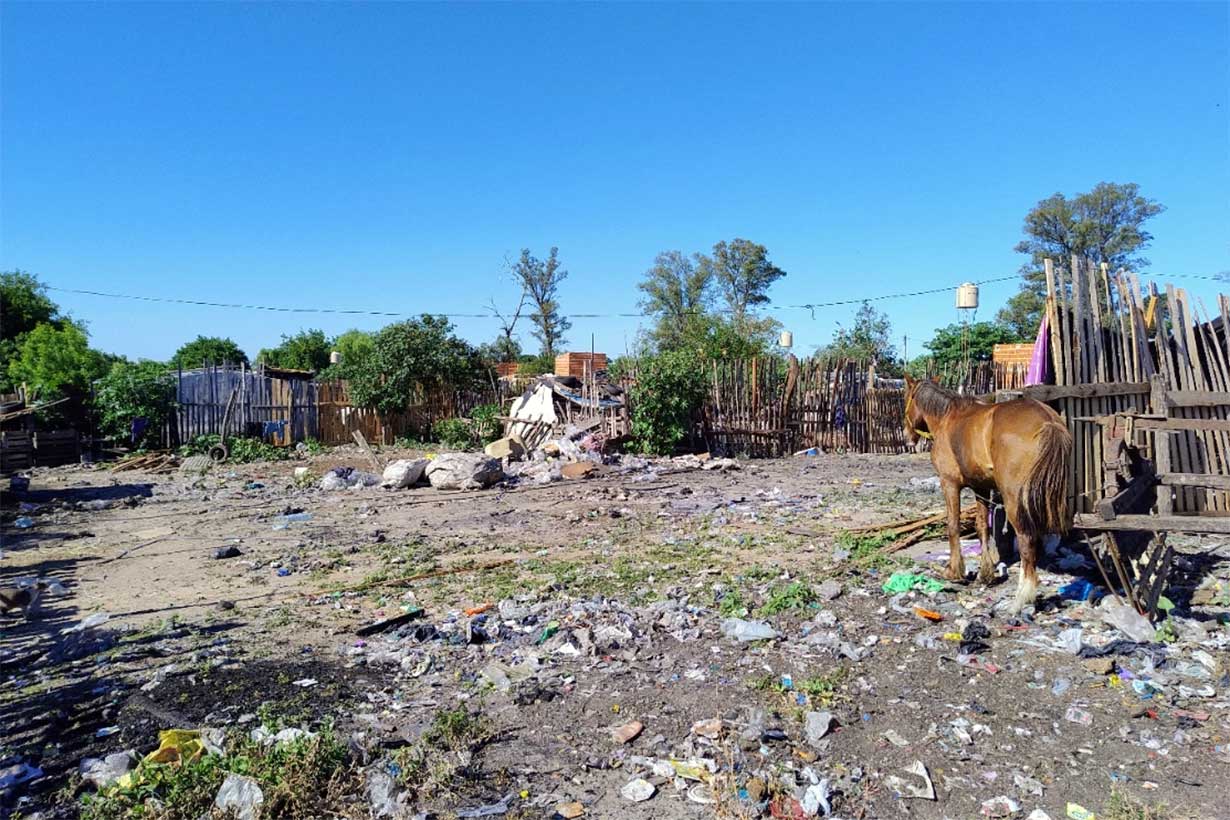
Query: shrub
[(452, 432), (485, 423), (243, 450), (134, 391), (670, 388)]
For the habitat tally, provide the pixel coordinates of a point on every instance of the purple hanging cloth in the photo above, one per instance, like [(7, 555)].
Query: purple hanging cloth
[(1040, 363)]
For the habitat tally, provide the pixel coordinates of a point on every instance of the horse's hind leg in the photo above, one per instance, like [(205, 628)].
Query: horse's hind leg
[(952, 501), (989, 556), (1027, 588)]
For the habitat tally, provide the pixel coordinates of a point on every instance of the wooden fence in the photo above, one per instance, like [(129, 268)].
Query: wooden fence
[(772, 406), (1117, 347), (284, 410), (280, 410)]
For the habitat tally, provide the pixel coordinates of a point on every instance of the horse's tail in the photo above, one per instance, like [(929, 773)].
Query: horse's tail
[(1044, 496)]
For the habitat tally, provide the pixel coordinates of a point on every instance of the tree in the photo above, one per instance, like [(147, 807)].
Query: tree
[(1103, 225), (208, 350), (129, 391), (408, 357), (956, 344), (306, 350), (506, 348), (24, 305), (869, 339), (743, 274), (678, 292), (540, 280), (353, 347), (57, 362)]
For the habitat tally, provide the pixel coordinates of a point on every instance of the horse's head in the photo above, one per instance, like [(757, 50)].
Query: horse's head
[(915, 422)]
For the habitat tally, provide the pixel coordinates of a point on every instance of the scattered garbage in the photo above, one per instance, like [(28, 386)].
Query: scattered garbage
[(919, 785), (230, 551), (1081, 590), (23, 522), (241, 796), (817, 726), (906, 581), (106, 771), (1126, 619), (638, 790), (628, 732), (17, 774), (1002, 806), (283, 522), (343, 478), (742, 630)]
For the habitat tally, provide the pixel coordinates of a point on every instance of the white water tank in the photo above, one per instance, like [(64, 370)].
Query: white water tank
[(786, 340), (967, 296), (335, 357)]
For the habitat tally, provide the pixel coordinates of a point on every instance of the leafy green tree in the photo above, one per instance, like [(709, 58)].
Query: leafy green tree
[(716, 337), (24, 305), (306, 350), (678, 292), (669, 391), (1103, 225), (743, 274), (410, 356), (208, 350), (976, 342), (540, 279), (57, 362), (354, 347), (869, 339), (135, 390)]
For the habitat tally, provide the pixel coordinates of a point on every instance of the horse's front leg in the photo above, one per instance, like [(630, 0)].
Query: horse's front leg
[(952, 501)]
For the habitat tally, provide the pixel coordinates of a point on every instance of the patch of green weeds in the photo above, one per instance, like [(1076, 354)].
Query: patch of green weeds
[(821, 689), (787, 598), (867, 550), (732, 604), (428, 765), (301, 778), (1122, 806)]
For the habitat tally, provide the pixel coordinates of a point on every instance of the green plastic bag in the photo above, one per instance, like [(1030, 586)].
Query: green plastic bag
[(906, 581)]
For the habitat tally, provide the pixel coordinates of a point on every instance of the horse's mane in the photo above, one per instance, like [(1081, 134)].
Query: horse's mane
[(935, 400)]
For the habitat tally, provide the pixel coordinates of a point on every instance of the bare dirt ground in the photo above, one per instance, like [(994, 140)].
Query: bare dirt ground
[(555, 615)]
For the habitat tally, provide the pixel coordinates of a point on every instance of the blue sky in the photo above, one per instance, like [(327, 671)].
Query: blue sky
[(390, 156)]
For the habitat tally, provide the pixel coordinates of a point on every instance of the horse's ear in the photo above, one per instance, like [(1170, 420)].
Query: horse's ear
[(909, 380)]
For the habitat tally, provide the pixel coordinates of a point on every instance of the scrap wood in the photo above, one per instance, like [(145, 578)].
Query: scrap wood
[(361, 440), (157, 461), (913, 525), (389, 623)]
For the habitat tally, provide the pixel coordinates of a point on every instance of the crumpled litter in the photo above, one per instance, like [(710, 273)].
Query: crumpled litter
[(906, 581)]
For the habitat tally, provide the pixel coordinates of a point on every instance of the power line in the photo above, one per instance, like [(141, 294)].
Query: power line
[(358, 312)]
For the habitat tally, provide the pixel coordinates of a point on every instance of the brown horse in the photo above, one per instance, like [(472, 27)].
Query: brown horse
[(1020, 448)]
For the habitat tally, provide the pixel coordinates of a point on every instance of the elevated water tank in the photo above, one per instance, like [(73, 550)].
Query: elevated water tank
[(786, 340), (967, 296)]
